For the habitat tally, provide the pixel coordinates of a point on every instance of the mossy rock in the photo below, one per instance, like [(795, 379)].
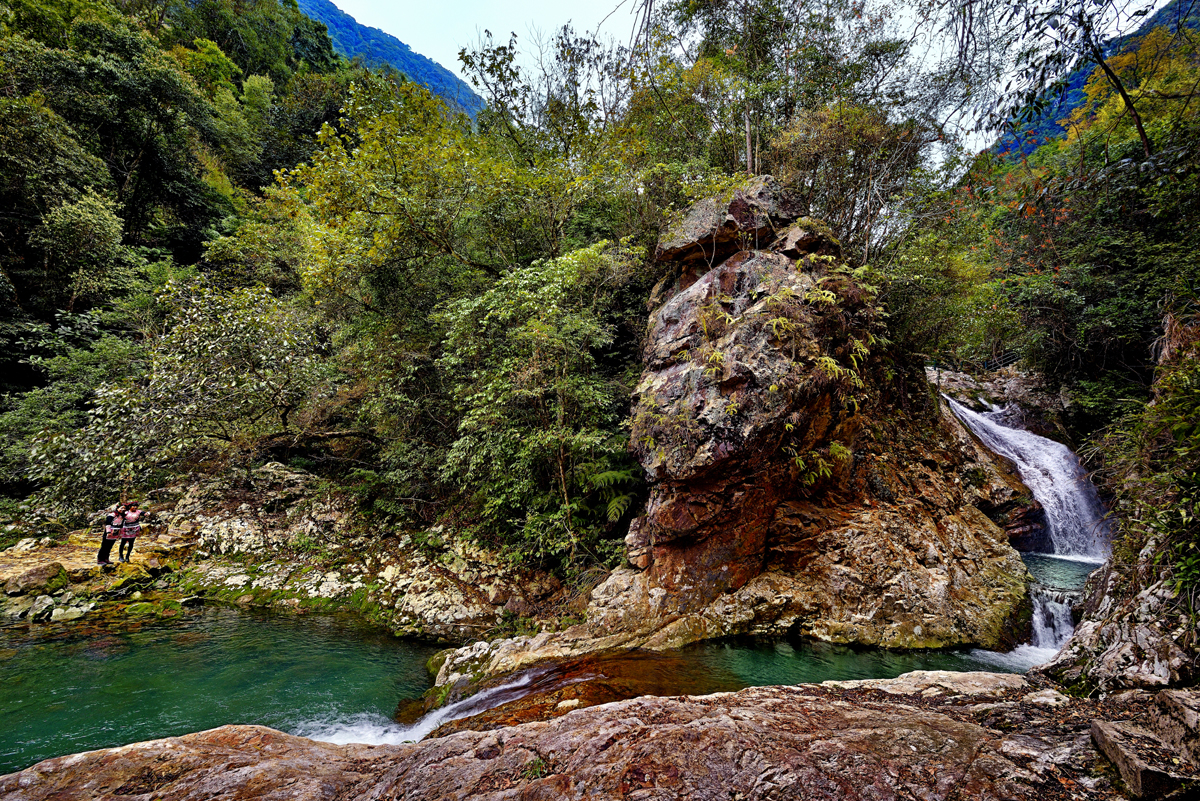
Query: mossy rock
[(142, 609), (41, 580), (170, 608), (437, 660)]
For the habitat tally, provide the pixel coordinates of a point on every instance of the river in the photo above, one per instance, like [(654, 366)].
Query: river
[(95, 684)]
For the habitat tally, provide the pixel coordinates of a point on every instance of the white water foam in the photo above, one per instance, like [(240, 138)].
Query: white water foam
[(373, 729), (1052, 628), (1075, 518), (1074, 514)]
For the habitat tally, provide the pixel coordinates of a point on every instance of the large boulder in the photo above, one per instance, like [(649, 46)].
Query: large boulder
[(44, 579), (791, 488), (748, 217)]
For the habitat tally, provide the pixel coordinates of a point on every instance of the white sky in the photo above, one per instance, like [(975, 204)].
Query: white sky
[(439, 29)]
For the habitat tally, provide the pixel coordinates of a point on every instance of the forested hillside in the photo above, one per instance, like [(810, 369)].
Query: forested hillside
[(221, 247), (1046, 119), (377, 49)]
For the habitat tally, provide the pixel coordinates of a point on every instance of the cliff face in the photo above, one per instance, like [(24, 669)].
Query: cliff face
[(801, 479)]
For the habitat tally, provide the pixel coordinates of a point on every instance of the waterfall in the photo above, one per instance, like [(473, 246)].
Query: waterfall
[(1074, 514), (1052, 622), (375, 730), (1075, 520)]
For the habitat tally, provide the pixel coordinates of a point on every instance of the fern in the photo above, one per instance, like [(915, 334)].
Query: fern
[(610, 477), (618, 505)]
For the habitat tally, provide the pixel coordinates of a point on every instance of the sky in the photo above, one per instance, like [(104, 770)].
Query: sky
[(438, 29)]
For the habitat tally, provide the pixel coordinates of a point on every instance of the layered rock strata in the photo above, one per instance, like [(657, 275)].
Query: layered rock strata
[(926, 735)]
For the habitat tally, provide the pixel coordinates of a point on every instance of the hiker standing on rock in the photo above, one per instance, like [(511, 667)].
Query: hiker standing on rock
[(129, 531), (114, 523)]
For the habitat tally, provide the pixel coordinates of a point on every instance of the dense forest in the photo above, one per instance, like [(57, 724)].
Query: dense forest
[(377, 49), (221, 245)]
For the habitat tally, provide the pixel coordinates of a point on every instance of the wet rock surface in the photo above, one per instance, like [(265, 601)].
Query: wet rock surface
[(1126, 641), (926, 735)]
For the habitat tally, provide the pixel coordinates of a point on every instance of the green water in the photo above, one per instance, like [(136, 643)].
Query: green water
[(1055, 572), (798, 661), (74, 688)]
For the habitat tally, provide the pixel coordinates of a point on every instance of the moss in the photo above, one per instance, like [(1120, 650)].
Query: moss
[(170, 608), (434, 665), (142, 609)]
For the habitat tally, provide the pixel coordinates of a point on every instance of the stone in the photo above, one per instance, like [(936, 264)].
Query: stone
[(141, 609), (1048, 697), (777, 506), (244, 530), (758, 744), (41, 608), (1125, 642), (1175, 719), (807, 237), (41, 580), (18, 608), (713, 229), (65, 614), (1136, 753)]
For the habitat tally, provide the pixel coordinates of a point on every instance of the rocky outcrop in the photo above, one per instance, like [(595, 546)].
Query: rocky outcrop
[(934, 736), (275, 536), (1126, 642), (778, 502), (751, 216), (800, 480)]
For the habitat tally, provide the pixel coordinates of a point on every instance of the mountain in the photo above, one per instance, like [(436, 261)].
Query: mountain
[(377, 48), (1029, 135)]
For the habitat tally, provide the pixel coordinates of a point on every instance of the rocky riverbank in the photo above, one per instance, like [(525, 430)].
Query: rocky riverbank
[(275, 537), (924, 735)]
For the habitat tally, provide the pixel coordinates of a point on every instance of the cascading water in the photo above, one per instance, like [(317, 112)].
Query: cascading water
[(371, 729), (1075, 517), (1075, 520)]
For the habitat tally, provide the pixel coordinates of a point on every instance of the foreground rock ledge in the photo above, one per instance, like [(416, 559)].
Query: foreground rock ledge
[(929, 735)]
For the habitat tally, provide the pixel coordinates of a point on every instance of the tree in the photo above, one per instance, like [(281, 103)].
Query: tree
[(81, 249), (230, 370), (537, 442)]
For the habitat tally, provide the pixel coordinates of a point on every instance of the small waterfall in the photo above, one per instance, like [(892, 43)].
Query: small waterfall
[(1052, 627), (1074, 514), (377, 730), (1052, 622)]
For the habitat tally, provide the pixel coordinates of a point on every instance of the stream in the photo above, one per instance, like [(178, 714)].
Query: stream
[(97, 684)]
